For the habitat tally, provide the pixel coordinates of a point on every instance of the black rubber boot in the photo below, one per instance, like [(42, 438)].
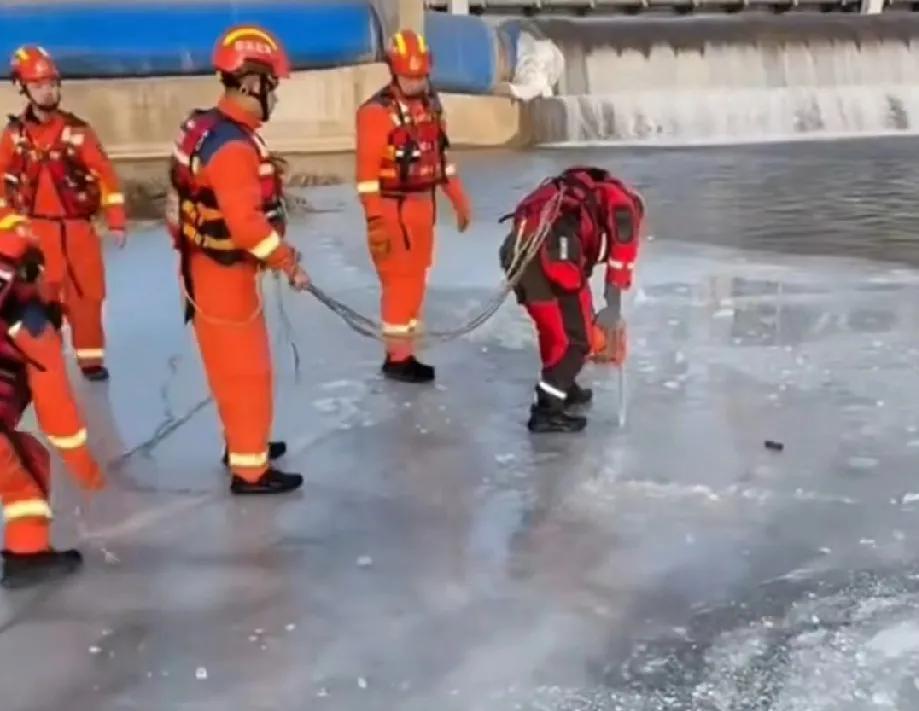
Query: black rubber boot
[(578, 396), (408, 371), (548, 414), (95, 373), (23, 570), (272, 482), (276, 450)]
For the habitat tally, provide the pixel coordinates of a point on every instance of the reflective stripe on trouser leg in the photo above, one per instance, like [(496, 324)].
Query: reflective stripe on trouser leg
[(551, 390), (562, 326), (84, 293), (403, 274), (244, 401), (237, 361), (419, 287), (400, 300), (248, 465), (88, 357), (24, 485), (86, 331), (575, 311), (399, 341)]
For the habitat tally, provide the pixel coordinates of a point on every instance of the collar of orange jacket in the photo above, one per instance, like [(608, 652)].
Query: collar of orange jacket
[(236, 112)]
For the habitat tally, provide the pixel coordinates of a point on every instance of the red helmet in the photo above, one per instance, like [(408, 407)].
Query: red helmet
[(408, 55), (248, 48), (32, 63)]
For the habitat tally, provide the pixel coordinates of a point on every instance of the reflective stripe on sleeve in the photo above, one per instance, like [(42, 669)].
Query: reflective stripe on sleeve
[(367, 187), (10, 221), (266, 246)]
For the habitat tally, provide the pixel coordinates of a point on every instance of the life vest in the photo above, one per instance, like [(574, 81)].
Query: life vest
[(415, 159), (77, 188), (598, 221), (20, 304), (200, 221)]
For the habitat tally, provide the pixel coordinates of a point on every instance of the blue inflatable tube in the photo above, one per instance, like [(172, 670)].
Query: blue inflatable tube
[(174, 37), (465, 53)]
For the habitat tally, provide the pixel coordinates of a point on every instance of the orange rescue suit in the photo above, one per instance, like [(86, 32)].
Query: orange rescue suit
[(228, 224), (32, 370), (401, 160), (57, 173)]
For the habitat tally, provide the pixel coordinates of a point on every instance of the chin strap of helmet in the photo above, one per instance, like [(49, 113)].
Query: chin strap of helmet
[(265, 85), (264, 88)]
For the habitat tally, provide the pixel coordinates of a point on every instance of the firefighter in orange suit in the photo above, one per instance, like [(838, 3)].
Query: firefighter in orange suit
[(227, 221), (32, 370), (401, 160), (56, 172)]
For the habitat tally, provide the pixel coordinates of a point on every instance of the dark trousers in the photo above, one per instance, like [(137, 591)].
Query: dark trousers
[(563, 320)]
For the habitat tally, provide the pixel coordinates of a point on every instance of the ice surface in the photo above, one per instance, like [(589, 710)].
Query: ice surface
[(440, 557)]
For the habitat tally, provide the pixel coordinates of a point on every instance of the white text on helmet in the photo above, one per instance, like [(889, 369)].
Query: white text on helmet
[(253, 47)]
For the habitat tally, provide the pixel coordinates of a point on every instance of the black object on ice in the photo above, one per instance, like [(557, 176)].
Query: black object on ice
[(772, 444)]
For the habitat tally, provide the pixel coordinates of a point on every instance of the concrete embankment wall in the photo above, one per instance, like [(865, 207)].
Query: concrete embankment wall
[(137, 120), (136, 94)]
